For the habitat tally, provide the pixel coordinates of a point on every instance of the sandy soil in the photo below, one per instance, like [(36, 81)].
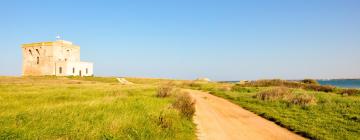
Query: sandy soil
[(219, 119)]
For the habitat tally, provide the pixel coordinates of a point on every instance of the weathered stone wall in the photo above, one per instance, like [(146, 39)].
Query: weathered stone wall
[(66, 52), (54, 58), (37, 60)]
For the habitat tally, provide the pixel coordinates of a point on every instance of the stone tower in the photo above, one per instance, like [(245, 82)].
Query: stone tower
[(60, 58)]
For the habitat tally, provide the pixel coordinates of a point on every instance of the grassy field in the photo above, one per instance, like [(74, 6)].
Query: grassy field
[(86, 108), (332, 116), (100, 108)]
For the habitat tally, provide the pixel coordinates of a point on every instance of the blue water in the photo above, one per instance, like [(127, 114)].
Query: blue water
[(344, 83)]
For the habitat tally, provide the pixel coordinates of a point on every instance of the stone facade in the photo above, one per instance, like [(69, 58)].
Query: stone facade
[(60, 58)]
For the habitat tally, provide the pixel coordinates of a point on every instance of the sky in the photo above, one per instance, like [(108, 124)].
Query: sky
[(187, 39)]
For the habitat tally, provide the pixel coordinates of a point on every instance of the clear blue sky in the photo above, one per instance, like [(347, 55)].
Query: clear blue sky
[(186, 39)]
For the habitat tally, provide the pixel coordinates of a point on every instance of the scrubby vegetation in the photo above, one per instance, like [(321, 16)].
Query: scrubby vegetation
[(87, 108), (185, 104), (165, 90), (311, 110), (303, 99), (310, 81), (305, 84), (325, 88), (286, 95), (277, 93), (349, 92)]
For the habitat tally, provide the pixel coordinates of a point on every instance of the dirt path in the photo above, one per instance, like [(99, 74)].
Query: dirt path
[(219, 119)]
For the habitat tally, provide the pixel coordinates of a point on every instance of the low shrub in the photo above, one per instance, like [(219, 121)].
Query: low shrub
[(310, 81), (165, 90), (185, 104), (349, 92), (241, 89), (284, 94), (273, 82), (191, 84), (277, 93), (303, 100), (194, 84), (265, 83), (325, 88), (309, 85)]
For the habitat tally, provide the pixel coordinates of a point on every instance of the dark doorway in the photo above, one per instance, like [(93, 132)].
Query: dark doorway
[(80, 73)]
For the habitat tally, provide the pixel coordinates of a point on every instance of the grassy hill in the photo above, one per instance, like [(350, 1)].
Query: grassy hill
[(86, 108)]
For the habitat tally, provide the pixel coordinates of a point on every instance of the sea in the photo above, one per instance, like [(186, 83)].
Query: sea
[(343, 83)]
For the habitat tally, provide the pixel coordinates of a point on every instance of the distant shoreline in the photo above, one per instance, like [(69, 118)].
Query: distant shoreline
[(339, 79), (342, 83)]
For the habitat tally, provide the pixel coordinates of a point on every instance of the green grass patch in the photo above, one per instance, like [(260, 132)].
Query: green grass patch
[(87, 108), (96, 79)]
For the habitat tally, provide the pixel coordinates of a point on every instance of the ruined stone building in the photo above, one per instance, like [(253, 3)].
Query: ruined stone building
[(60, 58)]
